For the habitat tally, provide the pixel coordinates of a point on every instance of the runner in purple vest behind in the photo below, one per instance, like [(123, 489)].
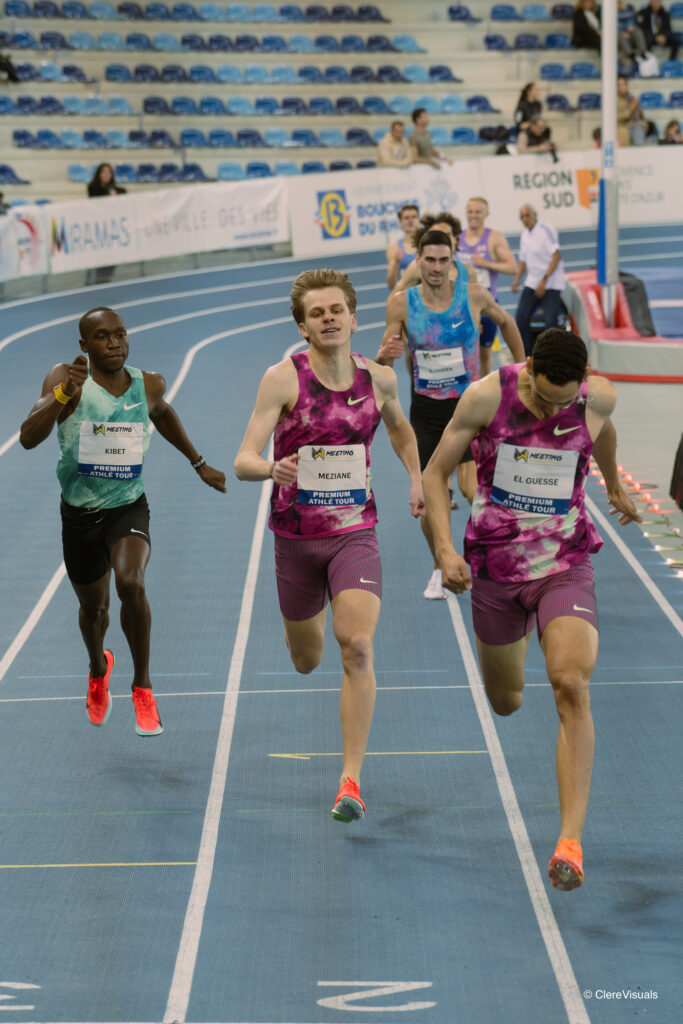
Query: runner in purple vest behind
[(533, 427), (323, 406)]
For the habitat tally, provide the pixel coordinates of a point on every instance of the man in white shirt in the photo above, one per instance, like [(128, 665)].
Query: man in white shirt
[(541, 260), (394, 150)]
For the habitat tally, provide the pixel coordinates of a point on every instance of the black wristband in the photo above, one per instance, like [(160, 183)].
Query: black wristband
[(201, 461)]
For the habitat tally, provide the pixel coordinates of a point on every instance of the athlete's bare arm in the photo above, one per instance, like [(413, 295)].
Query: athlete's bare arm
[(168, 423), (483, 302), (47, 411), (399, 430), (600, 404), (500, 258), (393, 263), (393, 345), (276, 396), (475, 410)]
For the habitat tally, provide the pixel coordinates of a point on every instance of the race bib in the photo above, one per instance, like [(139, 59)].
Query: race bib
[(439, 369), (332, 475), (538, 480), (483, 275), (111, 451)]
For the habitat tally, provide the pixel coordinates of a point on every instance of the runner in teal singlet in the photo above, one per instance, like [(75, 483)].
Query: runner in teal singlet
[(102, 408)]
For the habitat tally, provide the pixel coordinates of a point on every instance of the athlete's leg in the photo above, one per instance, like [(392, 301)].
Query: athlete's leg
[(305, 640), (93, 619), (354, 616), (570, 646), (502, 670), (525, 310), (485, 360), (129, 558)]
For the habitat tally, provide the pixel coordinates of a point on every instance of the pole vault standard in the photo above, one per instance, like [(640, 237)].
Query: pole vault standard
[(608, 225)]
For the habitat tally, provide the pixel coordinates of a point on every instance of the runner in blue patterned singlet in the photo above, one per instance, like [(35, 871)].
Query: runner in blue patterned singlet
[(401, 253), (323, 406), (439, 320), (102, 408), (489, 254), (533, 428)]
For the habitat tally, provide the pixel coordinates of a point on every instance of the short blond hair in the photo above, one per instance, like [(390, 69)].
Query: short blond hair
[(312, 280), (478, 199)]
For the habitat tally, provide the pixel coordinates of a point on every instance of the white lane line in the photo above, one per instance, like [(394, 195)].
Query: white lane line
[(642, 575), (554, 944), (332, 689), (32, 621), (186, 959), (666, 303)]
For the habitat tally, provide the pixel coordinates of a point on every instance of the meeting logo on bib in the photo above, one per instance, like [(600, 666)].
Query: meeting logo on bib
[(334, 214)]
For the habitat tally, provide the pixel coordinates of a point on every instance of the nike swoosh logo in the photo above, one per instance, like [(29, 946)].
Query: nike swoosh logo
[(578, 608), (363, 580), (458, 323), (566, 430), (133, 406), (355, 401), (138, 531)]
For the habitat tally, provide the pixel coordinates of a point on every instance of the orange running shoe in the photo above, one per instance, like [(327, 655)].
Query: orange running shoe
[(348, 806), (147, 721), (565, 870), (98, 701)]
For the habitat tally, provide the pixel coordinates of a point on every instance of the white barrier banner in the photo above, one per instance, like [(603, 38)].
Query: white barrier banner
[(143, 226), (23, 243)]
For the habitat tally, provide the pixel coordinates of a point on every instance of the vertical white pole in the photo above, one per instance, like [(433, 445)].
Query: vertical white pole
[(608, 228)]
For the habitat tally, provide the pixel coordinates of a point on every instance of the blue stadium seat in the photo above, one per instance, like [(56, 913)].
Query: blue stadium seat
[(7, 105), (326, 44), (283, 74), (589, 101), (459, 12), (291, 12), (480, 105), (74, 105), (379, 44), (185, 12), (27, 73), (368, 12), (266, 106), (553, 72), (157, 12), (331, 137), (375, 105), (366, 163), (125, 174), (240, 105), (313, 167), (51, 72), (316, 12), (287, 167), (53, 41), (107, 41), (212, 106), (119, 106), (651, 100), (95, 106), (50, 106), (202, 73), (557, 41), (415, 73), (256, 74), (228, 73), (24, 139), (293, 105), (245, 43), (145, 73), (342, 12), (559, 102), (582, 69), (230, 171), (401, 105), (351, 44), (117, 139), (193, 42), (504, 12), (676, 99), (335, 73), (535, 12), (173, 73), (184, 106), (103, 11), (671, 69), (464, 137), (442, 73), (277, 137), (74, 73), (131, 11), (495, 42), (274, 44), (528, 41), (453, 105), (94, 139), (148, 174), (362, 73), (321, 105), (76, 10), (249, 138), (221, 138), (219, 43), (264, 12), (170, 172), (18, 9), (138, 41), (79, 173), (440, 135), (340, 165), (407, 44), (47, 139), (348, 105), (311, 74), (138, 139), (359, 137), (26, 105), (300, 44), (166, 42), (237, 12), (155, 105), (194, 172), (676, 10), (389, 73), (71, 139), (562, 12), (23, 40), (304, 137), (212, 12), (46, 9), (258, 169)]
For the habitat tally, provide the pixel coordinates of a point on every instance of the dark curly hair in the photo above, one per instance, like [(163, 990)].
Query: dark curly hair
[(561, 356), (428, 221)]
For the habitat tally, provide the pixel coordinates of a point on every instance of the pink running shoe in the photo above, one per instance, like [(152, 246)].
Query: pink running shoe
[(98, 701), (147, 721)]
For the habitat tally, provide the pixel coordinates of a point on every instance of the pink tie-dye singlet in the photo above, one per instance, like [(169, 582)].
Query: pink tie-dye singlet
[(528, 518), (332, 431)]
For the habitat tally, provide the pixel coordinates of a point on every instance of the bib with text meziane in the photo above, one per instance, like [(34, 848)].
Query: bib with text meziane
[(332, 475)]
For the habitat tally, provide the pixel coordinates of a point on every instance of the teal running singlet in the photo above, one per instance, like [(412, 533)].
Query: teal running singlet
[(102, 446)]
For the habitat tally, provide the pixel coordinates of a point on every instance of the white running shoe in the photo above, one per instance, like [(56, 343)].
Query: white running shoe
[(434, 590)]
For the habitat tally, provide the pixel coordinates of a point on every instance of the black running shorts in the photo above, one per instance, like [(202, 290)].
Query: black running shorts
[(89, 534), (429, 417)]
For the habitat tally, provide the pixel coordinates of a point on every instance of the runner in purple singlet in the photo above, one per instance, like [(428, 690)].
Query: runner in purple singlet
[(533, 427), (323, 406)]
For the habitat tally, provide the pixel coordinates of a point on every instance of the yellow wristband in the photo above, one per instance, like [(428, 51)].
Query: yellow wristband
[(61, 395)]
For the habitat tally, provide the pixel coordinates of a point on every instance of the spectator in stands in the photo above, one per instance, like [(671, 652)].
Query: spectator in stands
[(673, 136), (528, 105), (655, 22), (632, 127), (102, 183), (5, 207), (630, 38), (587, 33), (394, 150), (597, 137), (420, 140), (7, 69), (402, 252), (541, 260), (537, 138)]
